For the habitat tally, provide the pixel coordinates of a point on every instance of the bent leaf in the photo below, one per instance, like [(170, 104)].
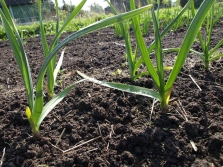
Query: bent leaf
[(124, 87)]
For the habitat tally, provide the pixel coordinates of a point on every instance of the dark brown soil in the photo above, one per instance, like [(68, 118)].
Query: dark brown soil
[(115, 125)]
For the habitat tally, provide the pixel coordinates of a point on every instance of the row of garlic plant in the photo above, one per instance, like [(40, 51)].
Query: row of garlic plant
[(37, 109)]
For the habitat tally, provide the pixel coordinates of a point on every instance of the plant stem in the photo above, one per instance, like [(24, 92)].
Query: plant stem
[(36, 133)]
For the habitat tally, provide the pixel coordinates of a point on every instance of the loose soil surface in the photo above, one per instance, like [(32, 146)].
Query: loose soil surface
[(100, 127)]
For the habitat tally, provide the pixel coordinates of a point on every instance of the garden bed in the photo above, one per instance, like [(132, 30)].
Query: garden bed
[(109, 127)]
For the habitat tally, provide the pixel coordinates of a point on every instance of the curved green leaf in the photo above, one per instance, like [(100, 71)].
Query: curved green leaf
[(50, 68), (18, 50), (151, 47), (216, 57), (220, 43), (59, 64), (124, 87)]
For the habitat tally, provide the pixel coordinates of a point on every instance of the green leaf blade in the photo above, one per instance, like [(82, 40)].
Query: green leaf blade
[(59, 64), (159, 56), (166, 30), (126, 35), (98, 25), (188, 41), (50, 68), (18, 50), (142, 47), (123, 87)]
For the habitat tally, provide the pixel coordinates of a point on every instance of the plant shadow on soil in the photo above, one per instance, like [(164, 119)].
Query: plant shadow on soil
[(121, 120)]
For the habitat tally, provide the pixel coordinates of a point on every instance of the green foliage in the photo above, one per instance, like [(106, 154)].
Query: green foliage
[(2, 33), (33, 30)]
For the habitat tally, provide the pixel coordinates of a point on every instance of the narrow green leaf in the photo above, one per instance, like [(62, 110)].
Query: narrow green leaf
[(166, 30), (202, 42), (209, 29), (123, 87), (57, 17), (42, 32), (50, 68), (56, 32), (138, 63), (39, 103), (211, 24), (188, 41), (18, 50), (126, 35), (164, 51), (220, 43), (142, 47), (7, 14), (216, 57), (201, 55), (141, 74), (134, 56), (59, 64), (159, 56), (50, 79)]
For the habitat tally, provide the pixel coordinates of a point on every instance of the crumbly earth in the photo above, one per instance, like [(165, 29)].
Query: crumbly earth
[(101, 127)]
